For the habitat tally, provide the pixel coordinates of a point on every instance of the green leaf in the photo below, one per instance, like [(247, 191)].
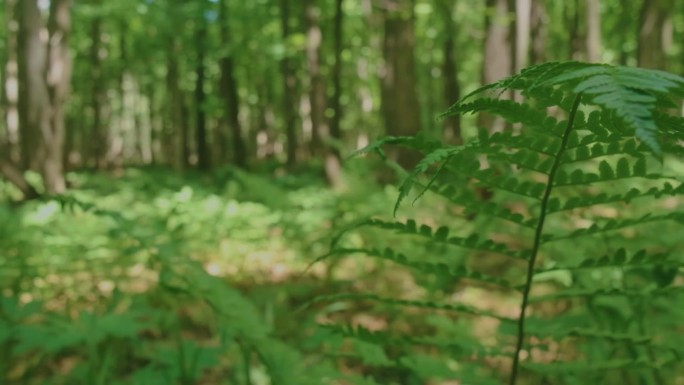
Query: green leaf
[(605, 171)]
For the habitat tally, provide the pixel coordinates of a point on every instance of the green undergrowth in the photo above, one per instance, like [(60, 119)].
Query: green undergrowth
[(149, 277)]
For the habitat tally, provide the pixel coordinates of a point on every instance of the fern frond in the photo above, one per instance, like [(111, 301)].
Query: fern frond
[(429, 305), (426, 267), (620, 259)]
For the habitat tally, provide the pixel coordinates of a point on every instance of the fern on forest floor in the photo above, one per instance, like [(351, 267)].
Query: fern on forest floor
[(582, 216)]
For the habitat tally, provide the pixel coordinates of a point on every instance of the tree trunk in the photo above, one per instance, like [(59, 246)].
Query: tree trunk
[(593, 31), (651, 49), (99, 135), (44, 73), (11, 85), (333, 159), (317, 91), (289, 89), (523, 25), (497, 63), (400, 106), (33, 96), (58, 77), (203, 156), (538, 32), (177, 135), (577, 42), (450, 69), (112, 134), (229, 91)]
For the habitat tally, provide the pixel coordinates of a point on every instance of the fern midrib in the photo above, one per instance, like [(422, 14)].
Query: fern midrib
[(538, 238)]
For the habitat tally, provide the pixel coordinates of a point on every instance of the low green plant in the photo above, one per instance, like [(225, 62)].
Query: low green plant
[(572, 215)]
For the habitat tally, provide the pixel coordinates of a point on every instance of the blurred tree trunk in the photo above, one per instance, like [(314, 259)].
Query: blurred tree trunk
[(497, 61), (289, 88), (577, 41), (317, 91), (653, 24), (114, 134), (10, 87), (450, 69), (593, 31), (538, 32), (58, 79), (178, 135), (155, 153), (9, 156), (332, 158), (203, 156), (523, 30), (33, 97), (400, 107), (99, 138), (229, 91), (44, 73), (186, 126)]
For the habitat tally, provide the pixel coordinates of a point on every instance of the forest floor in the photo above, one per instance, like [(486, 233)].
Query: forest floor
[(82, 275)]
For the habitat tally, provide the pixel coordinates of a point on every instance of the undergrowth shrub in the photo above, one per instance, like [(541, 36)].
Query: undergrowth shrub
[(557, 257)]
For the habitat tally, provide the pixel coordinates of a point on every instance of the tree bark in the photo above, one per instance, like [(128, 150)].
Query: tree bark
[(229, 91), (400, 106)]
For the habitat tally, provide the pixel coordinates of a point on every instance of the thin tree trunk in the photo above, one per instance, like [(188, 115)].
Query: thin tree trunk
[(651, 48), (10, 94), (400, 106), (289, 89), (203, 156), (177, 135), (538, 32), (100, 138), (319, 125), (33, 96), (229, 90), (186, 124), (498, 61), (450, 70), (593, 31), (154, 124), (523, 24), (577, 42), (58, 77), (333, 159)]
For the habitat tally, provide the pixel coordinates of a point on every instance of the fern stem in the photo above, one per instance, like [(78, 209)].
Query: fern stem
[(539, 230)]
